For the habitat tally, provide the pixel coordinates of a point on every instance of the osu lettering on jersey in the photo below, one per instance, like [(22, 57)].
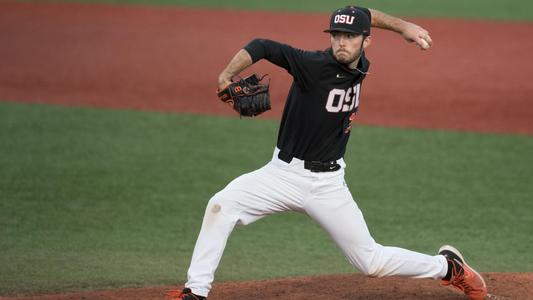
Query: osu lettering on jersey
[(324, 93)]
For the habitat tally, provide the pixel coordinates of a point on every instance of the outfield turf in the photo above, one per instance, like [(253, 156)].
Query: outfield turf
[(101, 198), (482, 9)]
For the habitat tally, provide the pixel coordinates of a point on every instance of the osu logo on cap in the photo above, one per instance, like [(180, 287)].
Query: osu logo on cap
[(345, 19)]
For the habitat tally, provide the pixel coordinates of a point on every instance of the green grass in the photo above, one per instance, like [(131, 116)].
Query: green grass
[(482, 9), (101, 198)]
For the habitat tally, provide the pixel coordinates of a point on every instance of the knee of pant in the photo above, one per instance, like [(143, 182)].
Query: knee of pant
[(369, 261), (368, 269), (374, 271), (371, 269), (230, 203), (223, 201), (217, 202)]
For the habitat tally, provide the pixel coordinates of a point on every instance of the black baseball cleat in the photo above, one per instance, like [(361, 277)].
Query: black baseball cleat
[(461, 276), (185, 294)]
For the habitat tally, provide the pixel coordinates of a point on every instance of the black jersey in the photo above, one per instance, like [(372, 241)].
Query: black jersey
[(323, 95)]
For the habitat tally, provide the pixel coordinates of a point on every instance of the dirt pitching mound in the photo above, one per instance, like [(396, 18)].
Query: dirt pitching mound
[(502, 286)]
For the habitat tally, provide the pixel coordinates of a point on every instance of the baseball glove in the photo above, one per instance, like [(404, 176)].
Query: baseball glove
[(249, 96)]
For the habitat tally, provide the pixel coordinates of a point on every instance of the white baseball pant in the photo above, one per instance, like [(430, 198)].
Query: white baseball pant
[(281, 186)]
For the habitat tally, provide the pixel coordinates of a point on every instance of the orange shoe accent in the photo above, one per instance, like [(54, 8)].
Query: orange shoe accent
[(174, 294), (465, 279), (184, 294)]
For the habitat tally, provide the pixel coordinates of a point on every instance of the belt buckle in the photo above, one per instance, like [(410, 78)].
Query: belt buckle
[(310, 165), (315, 166)]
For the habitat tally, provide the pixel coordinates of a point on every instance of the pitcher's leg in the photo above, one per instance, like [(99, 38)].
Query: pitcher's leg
[(216, 228), (245, 200), (338, 214)]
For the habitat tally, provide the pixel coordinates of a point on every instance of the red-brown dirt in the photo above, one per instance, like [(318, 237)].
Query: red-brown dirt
[(502, 286), (477, 76), (167, 59)]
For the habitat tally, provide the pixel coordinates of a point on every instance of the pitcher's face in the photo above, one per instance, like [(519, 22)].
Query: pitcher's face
[(346, 46)]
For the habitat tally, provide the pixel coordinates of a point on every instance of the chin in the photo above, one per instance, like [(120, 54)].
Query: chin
[(344, 59)]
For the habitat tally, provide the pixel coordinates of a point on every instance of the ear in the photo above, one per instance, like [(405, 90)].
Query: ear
[(367, 41)]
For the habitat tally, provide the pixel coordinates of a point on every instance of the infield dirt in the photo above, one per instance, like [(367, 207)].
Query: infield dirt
[(168, 59), (502, 286)]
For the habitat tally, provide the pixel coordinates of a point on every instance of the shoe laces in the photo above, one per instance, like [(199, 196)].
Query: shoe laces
[(458, 279)]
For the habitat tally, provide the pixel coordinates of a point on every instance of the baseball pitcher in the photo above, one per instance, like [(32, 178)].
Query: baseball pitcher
[(306, 173)]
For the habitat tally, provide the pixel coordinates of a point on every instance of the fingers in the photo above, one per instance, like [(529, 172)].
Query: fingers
[(223, 81), (418, 35), (222, 84), (428, 39), (423, 40)]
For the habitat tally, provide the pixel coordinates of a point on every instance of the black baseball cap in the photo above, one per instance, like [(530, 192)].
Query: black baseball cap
[(349, 19)]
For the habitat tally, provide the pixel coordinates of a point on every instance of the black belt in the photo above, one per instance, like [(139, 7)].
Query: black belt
[(313, 166)]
